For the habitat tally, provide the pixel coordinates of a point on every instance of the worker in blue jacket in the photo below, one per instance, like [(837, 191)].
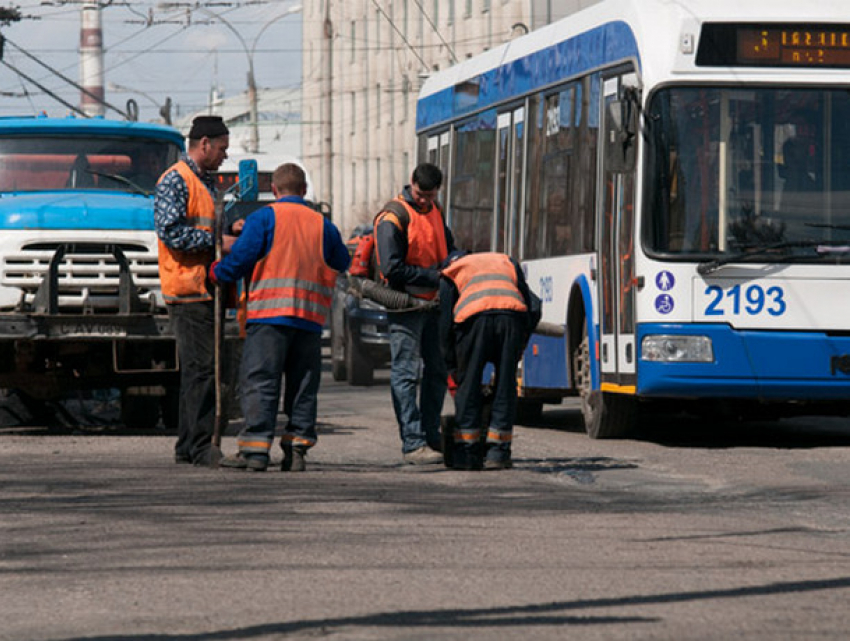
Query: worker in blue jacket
[(292, 254)]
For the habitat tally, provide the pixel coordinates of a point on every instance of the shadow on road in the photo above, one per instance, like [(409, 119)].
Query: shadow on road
[(521, 616)]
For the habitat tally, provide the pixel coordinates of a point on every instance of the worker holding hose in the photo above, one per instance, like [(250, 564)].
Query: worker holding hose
[(412, 240)]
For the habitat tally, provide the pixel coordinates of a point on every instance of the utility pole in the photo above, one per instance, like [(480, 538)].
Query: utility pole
[(327, 152)]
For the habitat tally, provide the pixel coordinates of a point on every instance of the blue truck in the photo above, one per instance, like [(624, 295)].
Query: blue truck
[(80, 301)]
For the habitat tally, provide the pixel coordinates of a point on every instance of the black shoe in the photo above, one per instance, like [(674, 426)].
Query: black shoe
[(242, 462), (465, 459), (293, 459), (182, 460), (504, 464)]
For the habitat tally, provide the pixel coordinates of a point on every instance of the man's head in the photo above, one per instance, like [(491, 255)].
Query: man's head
[(289, 180), (425, 184), (208, 142)]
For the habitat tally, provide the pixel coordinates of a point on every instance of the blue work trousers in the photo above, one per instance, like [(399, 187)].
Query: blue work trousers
[(415, 347), (192, 324), (272, 352)]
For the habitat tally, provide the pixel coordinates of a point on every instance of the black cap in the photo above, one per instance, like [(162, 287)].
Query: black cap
[(208, 127)]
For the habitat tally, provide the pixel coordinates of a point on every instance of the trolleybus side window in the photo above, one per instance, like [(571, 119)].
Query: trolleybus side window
[(472, 182), (564, 131)]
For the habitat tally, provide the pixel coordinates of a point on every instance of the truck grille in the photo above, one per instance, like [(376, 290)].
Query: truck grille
[(87, 277)]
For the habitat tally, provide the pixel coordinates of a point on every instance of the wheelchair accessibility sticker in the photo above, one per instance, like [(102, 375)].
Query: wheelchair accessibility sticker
[(664, 304), (665, 281)]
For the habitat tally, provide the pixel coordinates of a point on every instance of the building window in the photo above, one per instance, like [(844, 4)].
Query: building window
[(378, 106), (451, 16), (352, 110), (467, 11), (485, 6), (353, 41)]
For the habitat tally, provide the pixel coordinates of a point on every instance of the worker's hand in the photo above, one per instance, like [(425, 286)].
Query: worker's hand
[(211, 279), (227, 242), (236, 227)]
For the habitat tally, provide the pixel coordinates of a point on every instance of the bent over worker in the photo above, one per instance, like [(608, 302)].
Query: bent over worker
[(487, 315), (293, 255), (412, 241), (184, 214)]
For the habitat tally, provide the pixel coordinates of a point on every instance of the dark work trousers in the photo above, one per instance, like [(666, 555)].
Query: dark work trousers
[(271, 352), (192, 324), (496, 338)]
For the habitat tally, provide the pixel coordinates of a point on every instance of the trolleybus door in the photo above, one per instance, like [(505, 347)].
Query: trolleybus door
[(616, 236)]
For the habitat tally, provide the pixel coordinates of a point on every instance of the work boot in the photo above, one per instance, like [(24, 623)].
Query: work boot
[(498, 464), (293, 459), (465, 458), (423, 456), (240, 461)]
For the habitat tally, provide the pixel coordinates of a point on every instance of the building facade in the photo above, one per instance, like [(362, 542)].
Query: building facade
[(364, 62)]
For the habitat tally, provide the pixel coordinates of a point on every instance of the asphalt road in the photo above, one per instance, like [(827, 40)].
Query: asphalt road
[(693, 530)]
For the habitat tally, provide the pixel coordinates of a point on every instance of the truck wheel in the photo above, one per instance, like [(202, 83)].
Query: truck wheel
[(170, 408), (605, 415), (338, 350), (139, 412), (361, 372)]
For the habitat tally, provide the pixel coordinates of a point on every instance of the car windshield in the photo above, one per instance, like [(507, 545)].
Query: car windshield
[(735, 170), (49, 163)]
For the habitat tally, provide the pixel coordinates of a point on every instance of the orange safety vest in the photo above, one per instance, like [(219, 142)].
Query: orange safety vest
[(293, 278), (485, 282), (183, 275), (426, 240)]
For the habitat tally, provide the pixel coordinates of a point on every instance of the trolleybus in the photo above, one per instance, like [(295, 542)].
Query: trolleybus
[(675, 179)]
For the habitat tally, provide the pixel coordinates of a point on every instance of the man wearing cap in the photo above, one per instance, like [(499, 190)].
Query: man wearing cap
[(184, 215)]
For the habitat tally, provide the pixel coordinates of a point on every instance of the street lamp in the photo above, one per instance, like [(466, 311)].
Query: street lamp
[(163, 110), (249, 53)]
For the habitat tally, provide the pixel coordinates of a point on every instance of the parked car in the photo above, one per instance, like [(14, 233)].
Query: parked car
[(360, 337)]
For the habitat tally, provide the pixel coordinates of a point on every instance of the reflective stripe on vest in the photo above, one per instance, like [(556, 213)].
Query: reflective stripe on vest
[(293, 279), (183, 275), (485, 282)]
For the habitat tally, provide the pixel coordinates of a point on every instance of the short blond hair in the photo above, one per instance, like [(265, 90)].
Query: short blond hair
[(289, 178)]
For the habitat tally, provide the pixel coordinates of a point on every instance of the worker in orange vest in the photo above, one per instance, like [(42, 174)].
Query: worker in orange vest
[(184, 212), (487, 315), (293, 254), (412, 241)]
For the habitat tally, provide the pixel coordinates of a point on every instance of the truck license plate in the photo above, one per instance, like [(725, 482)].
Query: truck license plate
[(85, 329)]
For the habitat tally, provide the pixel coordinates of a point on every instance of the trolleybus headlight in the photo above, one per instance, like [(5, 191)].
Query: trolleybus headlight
[(677, 349)]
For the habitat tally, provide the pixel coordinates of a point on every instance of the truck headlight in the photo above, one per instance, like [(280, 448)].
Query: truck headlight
[(677, 349)]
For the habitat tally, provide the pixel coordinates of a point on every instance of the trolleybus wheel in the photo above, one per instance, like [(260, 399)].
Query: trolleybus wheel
[(606, 415)]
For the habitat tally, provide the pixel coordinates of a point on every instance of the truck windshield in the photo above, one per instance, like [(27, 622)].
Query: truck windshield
[(49, 163), (733, 170)]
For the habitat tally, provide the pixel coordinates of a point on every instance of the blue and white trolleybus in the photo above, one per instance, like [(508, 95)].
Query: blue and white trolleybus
[(675, 179)]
